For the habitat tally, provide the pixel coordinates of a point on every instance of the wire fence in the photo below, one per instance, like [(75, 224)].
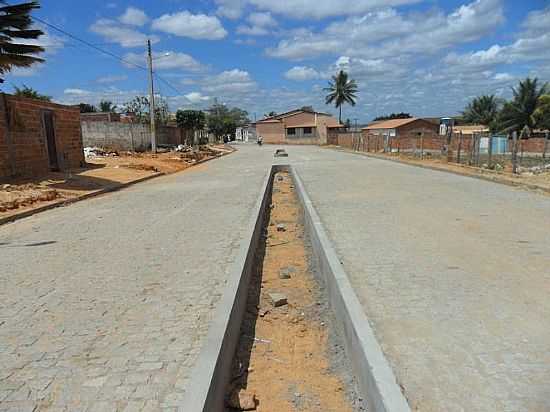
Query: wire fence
[(514, 153)]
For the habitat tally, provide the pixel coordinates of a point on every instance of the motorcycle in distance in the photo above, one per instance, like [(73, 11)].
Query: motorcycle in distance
[(260, 141)]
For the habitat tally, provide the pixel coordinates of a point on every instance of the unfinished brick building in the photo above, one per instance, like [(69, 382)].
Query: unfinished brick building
[(37, 137)]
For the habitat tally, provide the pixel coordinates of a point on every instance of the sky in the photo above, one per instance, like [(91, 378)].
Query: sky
[(425, 57)]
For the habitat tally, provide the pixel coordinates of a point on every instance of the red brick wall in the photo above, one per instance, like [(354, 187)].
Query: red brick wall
[(29, 149), (532, 145)]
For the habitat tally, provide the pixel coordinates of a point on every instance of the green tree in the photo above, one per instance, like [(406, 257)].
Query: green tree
[(519, 113), (482, 110), (223, 121), (270, 114), (392, 116), (87, 108), (341, 90), (106, 106), (15, 25), (30, 93), (191, 120), (139, 106), (542, 114)]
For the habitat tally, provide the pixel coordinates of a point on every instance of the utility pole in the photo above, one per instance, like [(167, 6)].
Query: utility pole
[(151, 99)]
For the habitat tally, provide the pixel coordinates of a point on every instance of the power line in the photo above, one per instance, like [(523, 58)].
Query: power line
[(99, 49)]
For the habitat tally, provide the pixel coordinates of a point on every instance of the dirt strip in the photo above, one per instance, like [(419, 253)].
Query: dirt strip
[(284, 359)]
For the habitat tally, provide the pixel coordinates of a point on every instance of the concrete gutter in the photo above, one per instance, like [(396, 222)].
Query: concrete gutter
[(212, 371), (490, 175), (377, 383), (105, 190)]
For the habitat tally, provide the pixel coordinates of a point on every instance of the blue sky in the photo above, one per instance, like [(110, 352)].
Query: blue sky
[(428, 58)]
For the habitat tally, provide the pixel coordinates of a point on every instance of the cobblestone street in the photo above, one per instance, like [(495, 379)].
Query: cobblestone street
[(103, 304), (453, 273)]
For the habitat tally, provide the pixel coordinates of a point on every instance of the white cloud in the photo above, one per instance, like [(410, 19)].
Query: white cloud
[(232, 9), (112, 79), (231, 82), (537, 22), (302, 73), (112, 31), (195, 26), (165, 60), (134, 17), (319, 9), (503, 77), (389, 33), (196, 97), (78, 92), (260, 24)]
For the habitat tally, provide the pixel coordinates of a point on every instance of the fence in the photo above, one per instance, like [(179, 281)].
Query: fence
[(512, 153)]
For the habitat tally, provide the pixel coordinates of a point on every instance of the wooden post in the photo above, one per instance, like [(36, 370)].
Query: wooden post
[(546, 137), (422, 145), (515, 152), (490, 152), (459, 148), (132, 138)]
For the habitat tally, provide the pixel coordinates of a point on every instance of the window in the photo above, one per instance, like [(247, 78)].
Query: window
[(308, 130), (291, 131)]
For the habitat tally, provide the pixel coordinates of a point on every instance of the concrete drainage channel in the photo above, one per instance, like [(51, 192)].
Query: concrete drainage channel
[(215, 369)]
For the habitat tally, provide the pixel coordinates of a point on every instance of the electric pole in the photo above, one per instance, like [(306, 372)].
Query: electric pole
[(151, 99)]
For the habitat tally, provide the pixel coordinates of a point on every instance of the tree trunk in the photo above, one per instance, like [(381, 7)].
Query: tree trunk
[(340, 117)]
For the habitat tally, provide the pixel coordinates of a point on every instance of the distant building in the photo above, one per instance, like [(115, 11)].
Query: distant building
[(297, 127), (400, 127), (245, 133)]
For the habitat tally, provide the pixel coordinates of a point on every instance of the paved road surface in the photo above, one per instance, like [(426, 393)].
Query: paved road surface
[(103, 304), (453, 272)]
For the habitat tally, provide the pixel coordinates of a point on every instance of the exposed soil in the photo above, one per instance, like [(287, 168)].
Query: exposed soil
[(283, 360), (21, 195), (541, 180)]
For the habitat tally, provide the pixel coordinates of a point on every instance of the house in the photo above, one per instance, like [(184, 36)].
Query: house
[(37, 137), (245, 133), (395, 128), (300, 126)]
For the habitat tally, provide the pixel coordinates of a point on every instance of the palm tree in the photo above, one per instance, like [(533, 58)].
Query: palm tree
[(341, 90), (520, 112), (482, 110), (30, 93), (542, 114), (15, 23)]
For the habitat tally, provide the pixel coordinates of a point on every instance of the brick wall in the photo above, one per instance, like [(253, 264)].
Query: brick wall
[(532, 145), (21, 123)]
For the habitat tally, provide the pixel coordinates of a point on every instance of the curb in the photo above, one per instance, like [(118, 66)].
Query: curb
[(100, 192), (212, 371), (493, 178), (377, 382)]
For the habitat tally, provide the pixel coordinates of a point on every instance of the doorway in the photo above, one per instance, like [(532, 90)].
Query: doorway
[(49, 131)]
